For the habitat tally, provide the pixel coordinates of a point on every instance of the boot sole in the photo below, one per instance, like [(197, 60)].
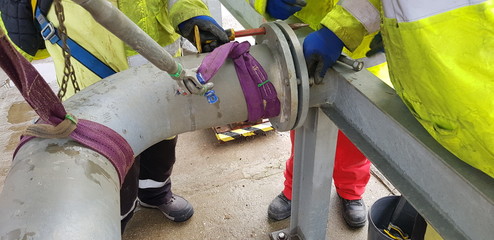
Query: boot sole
[(278, 217), (182, 218), (354, 224)]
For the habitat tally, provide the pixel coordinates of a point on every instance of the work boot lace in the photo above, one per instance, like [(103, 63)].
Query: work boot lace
[(171, 200), (357, 202)]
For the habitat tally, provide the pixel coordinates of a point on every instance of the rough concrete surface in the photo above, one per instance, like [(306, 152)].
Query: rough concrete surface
[(229, 184)]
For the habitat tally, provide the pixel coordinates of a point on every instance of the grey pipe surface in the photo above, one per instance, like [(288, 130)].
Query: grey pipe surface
[(141, 103), (57, 189), (116, 22)]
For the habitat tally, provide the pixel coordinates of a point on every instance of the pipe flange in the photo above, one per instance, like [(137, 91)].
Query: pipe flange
[(286, 87), (301, 71)]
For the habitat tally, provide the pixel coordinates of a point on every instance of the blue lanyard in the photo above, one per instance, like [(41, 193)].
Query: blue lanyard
[(50, 33)]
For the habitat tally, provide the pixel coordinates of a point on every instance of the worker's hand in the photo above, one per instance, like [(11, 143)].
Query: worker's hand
[(321, 50), (282, 9), (211, 33)]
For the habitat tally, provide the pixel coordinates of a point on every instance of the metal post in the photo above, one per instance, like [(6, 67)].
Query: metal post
[(315, 145)]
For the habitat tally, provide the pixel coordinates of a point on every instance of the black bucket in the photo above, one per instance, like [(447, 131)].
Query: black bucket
[(380, 216)]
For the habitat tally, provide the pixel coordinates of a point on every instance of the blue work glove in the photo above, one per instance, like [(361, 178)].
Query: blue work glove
[(211, 33), (282, 9), (321, 50)]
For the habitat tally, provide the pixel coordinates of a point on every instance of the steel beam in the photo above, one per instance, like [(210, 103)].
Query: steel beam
[(215, 10), (244, 13)]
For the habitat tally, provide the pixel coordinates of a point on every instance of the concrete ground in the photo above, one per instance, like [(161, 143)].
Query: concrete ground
[(229, 184)]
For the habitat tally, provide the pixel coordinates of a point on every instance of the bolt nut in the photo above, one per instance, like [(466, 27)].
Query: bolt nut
[(358, 65), (281, 236)]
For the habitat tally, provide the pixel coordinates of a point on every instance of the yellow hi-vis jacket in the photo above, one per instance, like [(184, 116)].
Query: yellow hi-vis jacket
[(440, 56), (158, 18)]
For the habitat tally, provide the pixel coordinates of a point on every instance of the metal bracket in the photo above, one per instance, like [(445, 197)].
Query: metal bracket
[(282, 235)]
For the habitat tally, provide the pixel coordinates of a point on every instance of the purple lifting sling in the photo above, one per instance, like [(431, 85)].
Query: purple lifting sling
[(43, 100), (260, 94)]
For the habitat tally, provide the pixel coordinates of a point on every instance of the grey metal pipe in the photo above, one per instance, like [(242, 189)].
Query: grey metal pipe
[(57, 189)]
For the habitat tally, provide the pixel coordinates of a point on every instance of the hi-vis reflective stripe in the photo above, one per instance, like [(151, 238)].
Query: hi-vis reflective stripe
[(364, 12), (149, 183), (409, 11), (134, 205), (244, 132)]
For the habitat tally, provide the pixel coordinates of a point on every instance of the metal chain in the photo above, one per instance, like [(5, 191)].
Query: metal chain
[(68, 71)]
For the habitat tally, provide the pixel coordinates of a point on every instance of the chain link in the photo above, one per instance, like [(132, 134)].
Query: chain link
[(68, 71)]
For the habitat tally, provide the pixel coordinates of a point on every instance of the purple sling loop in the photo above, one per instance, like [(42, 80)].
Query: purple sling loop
[(45, 103), (260, 94)]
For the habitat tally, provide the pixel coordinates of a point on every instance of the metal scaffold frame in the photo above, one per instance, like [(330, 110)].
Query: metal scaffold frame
[(456, 199)]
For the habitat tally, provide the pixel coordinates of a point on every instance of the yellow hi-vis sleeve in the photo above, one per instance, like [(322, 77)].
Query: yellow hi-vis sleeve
[(182, 10)]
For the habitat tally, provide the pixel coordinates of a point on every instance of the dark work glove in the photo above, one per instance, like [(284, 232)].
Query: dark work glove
[(211, 33), (321, 50), (376, 45), (283, 9)]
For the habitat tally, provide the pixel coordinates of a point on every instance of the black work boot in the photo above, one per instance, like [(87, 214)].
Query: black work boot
[(280, 208), (177, 209), (354, 212)]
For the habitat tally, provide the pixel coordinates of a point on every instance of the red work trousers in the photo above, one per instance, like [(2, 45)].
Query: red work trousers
[(351, 169)]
